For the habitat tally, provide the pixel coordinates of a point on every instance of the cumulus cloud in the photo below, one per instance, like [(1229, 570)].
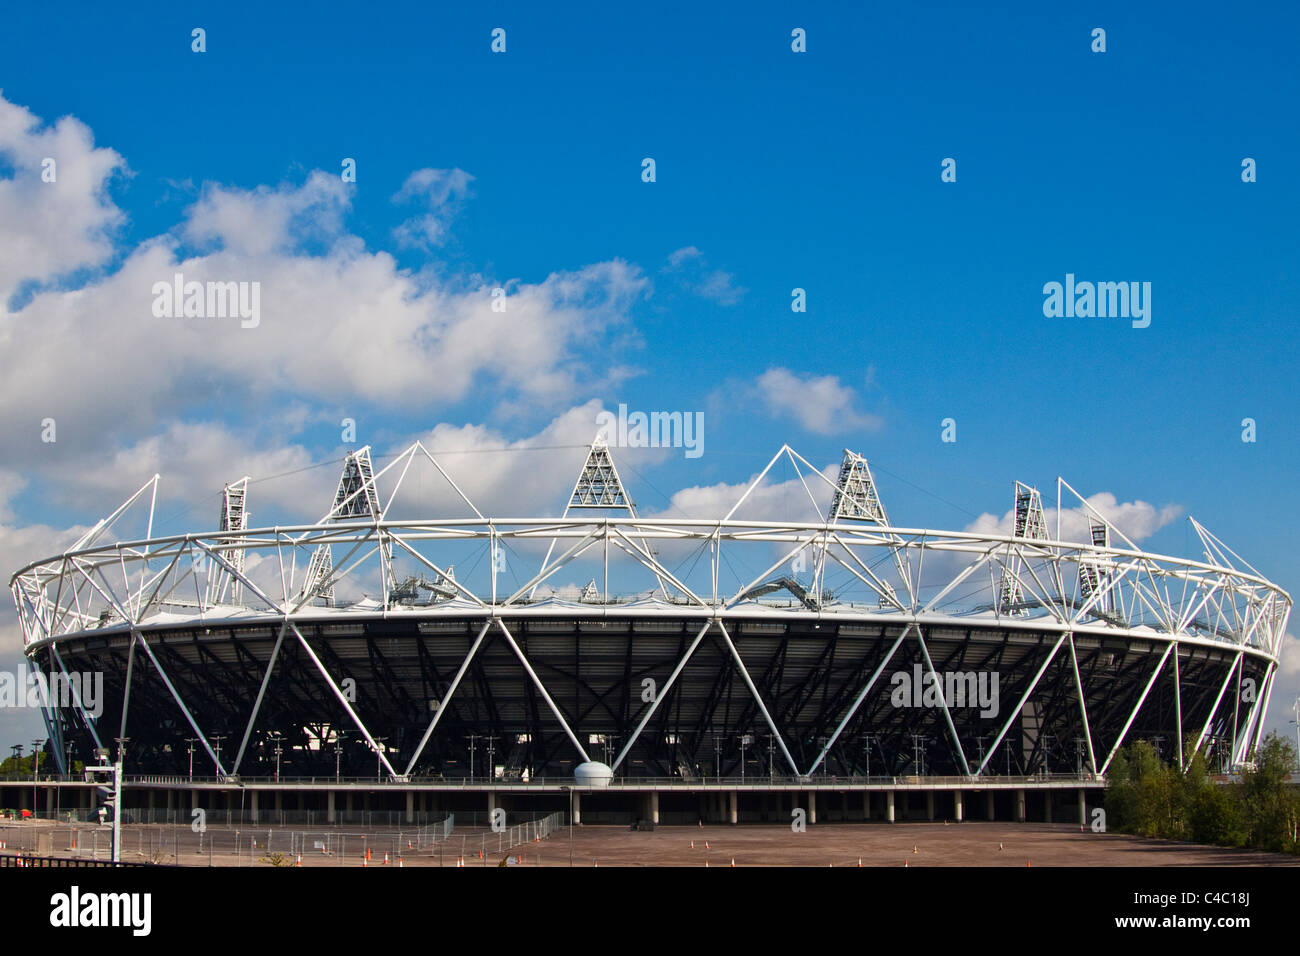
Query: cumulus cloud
[(819, 403), (52, 229), (335, 317), (773, 500)]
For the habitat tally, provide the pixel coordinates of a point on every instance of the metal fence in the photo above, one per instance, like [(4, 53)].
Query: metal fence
[(8, 861)]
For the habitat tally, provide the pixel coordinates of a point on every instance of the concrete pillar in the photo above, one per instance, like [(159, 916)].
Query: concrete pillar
[(654, 806), (812, 806), (1020, 806), (1047, 806), (734, 800), (577, 807), (956, 805), (253, 811), (49, 800), (929, 804), (194, 799), (279, 803), (347, 805), (889, 806), (1083, 808), (988, 804), (866, 804), (410, 806), (491, 804), (329, 807)]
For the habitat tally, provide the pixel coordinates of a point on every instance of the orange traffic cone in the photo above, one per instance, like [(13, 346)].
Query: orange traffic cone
[(692, 844), (460, 861), (399, 863), (859, 862), (364, 862), (385, 859), (299, 863), (367, 853), (733, 862)]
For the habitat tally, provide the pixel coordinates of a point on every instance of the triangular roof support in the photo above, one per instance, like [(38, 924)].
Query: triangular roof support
[(599, 486)]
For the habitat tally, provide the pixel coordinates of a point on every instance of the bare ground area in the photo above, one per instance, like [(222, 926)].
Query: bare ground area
[(902, 844)]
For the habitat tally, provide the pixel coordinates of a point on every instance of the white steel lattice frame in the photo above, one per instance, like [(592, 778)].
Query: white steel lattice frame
[(1220, 602)]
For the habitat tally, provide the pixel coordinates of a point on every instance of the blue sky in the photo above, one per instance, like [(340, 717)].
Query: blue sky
[(774, 170)]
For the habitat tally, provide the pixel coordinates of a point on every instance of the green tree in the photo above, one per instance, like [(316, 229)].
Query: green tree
[(1271, 804)]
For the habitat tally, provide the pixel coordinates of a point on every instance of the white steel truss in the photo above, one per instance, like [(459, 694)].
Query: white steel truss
[(1105, 586)]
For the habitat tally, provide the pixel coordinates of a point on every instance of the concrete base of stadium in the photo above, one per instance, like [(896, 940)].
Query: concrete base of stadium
[(173, 800)]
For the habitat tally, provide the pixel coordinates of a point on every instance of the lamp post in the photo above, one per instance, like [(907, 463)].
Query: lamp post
[(472, 738), (338, 752), (216, 744), (277, 737), (192, 742), (36, 760)]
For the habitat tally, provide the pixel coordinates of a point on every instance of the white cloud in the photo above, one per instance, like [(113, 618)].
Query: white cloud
[(820, 404), (773, 500), (51, 229), (441, 192), (1289, 656), (336, 318)]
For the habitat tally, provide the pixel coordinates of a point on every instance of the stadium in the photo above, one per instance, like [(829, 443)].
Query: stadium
[(632, 660)]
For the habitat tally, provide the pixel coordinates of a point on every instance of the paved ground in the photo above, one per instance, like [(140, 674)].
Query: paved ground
[(910, 844)]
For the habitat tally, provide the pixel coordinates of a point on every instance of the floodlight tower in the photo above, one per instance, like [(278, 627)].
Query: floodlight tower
[(356, 497), (1094, 573), (234, 517), (1030, 523), (857, 499), (599, 487)]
